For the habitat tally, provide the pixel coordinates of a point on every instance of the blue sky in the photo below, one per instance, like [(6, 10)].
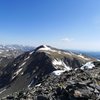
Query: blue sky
[(68, 24)]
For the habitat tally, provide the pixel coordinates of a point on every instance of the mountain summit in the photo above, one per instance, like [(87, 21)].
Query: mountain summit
[(33, 67)]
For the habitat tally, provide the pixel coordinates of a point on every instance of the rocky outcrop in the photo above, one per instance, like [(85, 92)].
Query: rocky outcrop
[(73, 85)]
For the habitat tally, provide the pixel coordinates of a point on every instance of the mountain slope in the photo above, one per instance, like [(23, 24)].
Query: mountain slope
[(30, 68)]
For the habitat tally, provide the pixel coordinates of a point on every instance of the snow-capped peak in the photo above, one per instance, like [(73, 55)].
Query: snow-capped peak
[(44, 47)]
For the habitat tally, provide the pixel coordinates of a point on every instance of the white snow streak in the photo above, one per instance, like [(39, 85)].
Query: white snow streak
[(27, 58), (2, 91), (16, 73), (31, 53), (30, 84), (22, 64)]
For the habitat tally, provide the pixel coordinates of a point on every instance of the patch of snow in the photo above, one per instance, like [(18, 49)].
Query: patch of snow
[(22, 64), (58, 72), (60, 63), (31, 53), (27, 58), (30, 84), (76, 69), (88, 65), (13, 77), (0, 52), (22, 73), (98, 59), (57, 62), (67, 68), (44, 48), (38, 85), (16, 73), (2, 91)]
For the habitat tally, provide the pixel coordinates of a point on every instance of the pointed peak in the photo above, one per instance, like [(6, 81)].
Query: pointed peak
[(43, 48)]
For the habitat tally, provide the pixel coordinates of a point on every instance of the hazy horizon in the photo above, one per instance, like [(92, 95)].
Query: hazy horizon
[(65, 24)]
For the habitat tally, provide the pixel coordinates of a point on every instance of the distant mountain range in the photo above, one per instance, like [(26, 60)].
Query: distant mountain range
[(9, 52), (15, 47), (92, 54), (48, 73)]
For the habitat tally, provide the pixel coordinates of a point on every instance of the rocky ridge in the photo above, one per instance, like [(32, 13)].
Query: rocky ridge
[(51, 74)]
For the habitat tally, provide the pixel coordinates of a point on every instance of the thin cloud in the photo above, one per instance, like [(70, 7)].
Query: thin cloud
[(67, 39)]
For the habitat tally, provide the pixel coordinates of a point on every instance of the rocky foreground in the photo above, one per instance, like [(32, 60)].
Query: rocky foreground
[(51, 74), (73, 85)]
